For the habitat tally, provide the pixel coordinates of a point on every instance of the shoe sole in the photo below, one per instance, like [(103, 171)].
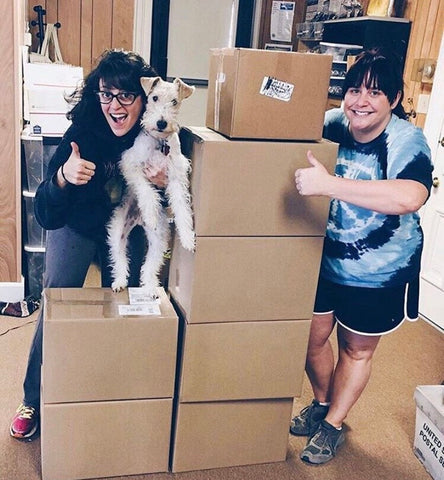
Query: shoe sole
[(26, 436), (307, 460)]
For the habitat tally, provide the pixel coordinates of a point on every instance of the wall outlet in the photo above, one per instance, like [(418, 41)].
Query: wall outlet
[(423, 103)]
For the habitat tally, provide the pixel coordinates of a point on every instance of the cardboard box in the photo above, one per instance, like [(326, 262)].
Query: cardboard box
[(247, 188), (92, 353), (48, 123), (224, 434), (240, 361), (429, 430), (239, 279), (267, 94), (105, 439)]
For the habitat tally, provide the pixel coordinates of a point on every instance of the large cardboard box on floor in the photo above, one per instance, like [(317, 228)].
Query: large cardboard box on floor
[(267, 94), (222, 434), (243, 360), (429, 430), (247, 188), (105, 439), (91, 352), (238, 279)]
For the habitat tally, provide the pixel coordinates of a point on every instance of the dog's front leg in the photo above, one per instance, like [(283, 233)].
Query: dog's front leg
[(158, 241), (180, 201)]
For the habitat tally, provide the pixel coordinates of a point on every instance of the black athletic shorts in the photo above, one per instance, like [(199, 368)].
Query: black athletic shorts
[(368, 311)]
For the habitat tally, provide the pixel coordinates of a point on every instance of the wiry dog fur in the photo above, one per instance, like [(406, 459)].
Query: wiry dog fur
[(158, 146)]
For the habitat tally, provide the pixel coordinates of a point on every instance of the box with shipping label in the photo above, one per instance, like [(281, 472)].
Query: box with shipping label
[(238, 279), (105, 439), (267, 94), (92, 352), (224, 434), (243, 360), (247, 188), (429, 430)]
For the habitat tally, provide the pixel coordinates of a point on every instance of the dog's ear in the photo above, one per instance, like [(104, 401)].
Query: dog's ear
[(148, 83), (184, 90)]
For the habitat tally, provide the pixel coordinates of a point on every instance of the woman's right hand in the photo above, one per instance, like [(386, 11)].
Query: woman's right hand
[(76, 170)]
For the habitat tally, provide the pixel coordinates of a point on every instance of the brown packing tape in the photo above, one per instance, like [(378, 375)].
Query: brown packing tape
[(220, 78)]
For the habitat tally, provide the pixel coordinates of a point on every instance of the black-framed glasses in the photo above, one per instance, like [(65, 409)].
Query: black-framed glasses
[(124, 98)]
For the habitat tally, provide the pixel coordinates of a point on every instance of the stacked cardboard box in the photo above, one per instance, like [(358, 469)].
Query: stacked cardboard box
[(428, 445), (107, 385), (246, 294)]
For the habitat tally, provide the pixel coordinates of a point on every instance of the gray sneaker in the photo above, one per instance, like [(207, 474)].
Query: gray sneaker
[(307, 422), (322, 446)]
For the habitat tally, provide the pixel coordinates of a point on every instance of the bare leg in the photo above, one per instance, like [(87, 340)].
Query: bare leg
[(351, 374), (320, 361)]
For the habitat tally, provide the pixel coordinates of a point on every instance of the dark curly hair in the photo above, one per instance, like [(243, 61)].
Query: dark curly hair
[(378, 68), (118, 69)]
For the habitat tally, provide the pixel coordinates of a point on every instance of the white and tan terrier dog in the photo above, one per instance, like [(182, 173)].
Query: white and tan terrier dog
[(157, 146)]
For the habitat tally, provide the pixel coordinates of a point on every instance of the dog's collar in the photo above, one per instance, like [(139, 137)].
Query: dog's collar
[(163, 147)]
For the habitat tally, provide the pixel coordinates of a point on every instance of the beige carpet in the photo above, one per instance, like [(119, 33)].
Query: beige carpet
[(380, 429)]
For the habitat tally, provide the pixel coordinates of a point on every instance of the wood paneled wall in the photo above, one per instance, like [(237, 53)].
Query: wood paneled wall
[(88, 27), (10, 194), (427, 18)]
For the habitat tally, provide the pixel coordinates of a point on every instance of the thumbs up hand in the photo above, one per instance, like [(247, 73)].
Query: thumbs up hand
[(312, 180), (76, 170)]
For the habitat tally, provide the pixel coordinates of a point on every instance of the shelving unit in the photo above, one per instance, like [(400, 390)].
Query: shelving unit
[(368, 32)]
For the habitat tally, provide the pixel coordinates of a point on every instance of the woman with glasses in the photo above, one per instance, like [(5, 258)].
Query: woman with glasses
[(75, 201)]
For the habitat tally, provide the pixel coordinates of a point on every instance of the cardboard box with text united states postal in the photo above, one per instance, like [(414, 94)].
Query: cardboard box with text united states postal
[(247, 188), (429, 430), (267, 94), (91, 352), (224, 434), (239, 279)]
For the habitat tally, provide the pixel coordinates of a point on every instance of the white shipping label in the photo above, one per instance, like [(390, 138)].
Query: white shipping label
[(137, 296), (271, 87), (142, 309)]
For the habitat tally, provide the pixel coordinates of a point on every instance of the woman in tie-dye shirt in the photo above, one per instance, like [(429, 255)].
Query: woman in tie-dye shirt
[(369, 278)]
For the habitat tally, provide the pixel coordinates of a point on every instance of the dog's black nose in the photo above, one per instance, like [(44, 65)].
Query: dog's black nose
[(161, 124)]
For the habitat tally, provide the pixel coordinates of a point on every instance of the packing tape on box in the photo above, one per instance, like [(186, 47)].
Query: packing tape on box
[(220, 79)]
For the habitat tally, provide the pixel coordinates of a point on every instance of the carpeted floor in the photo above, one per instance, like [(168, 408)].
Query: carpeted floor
[(380, 429)]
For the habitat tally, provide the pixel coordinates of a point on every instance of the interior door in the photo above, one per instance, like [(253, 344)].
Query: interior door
[(431, 302)]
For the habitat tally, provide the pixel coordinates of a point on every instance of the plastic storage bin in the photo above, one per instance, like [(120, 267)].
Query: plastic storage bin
[(34, 234), (37, 152), (35, 265)]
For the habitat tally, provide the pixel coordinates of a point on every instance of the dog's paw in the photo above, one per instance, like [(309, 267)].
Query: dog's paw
[(150, 291), (188, 241), (119, 285)]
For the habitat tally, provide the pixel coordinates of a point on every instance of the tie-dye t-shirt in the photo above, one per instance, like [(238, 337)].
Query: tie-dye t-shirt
[(364, 248)]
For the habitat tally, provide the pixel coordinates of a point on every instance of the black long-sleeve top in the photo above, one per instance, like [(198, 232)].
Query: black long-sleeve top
[(85, 208)]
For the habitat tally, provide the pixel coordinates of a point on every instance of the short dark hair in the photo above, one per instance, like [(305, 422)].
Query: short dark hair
[(119, 69), (378, 68)]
